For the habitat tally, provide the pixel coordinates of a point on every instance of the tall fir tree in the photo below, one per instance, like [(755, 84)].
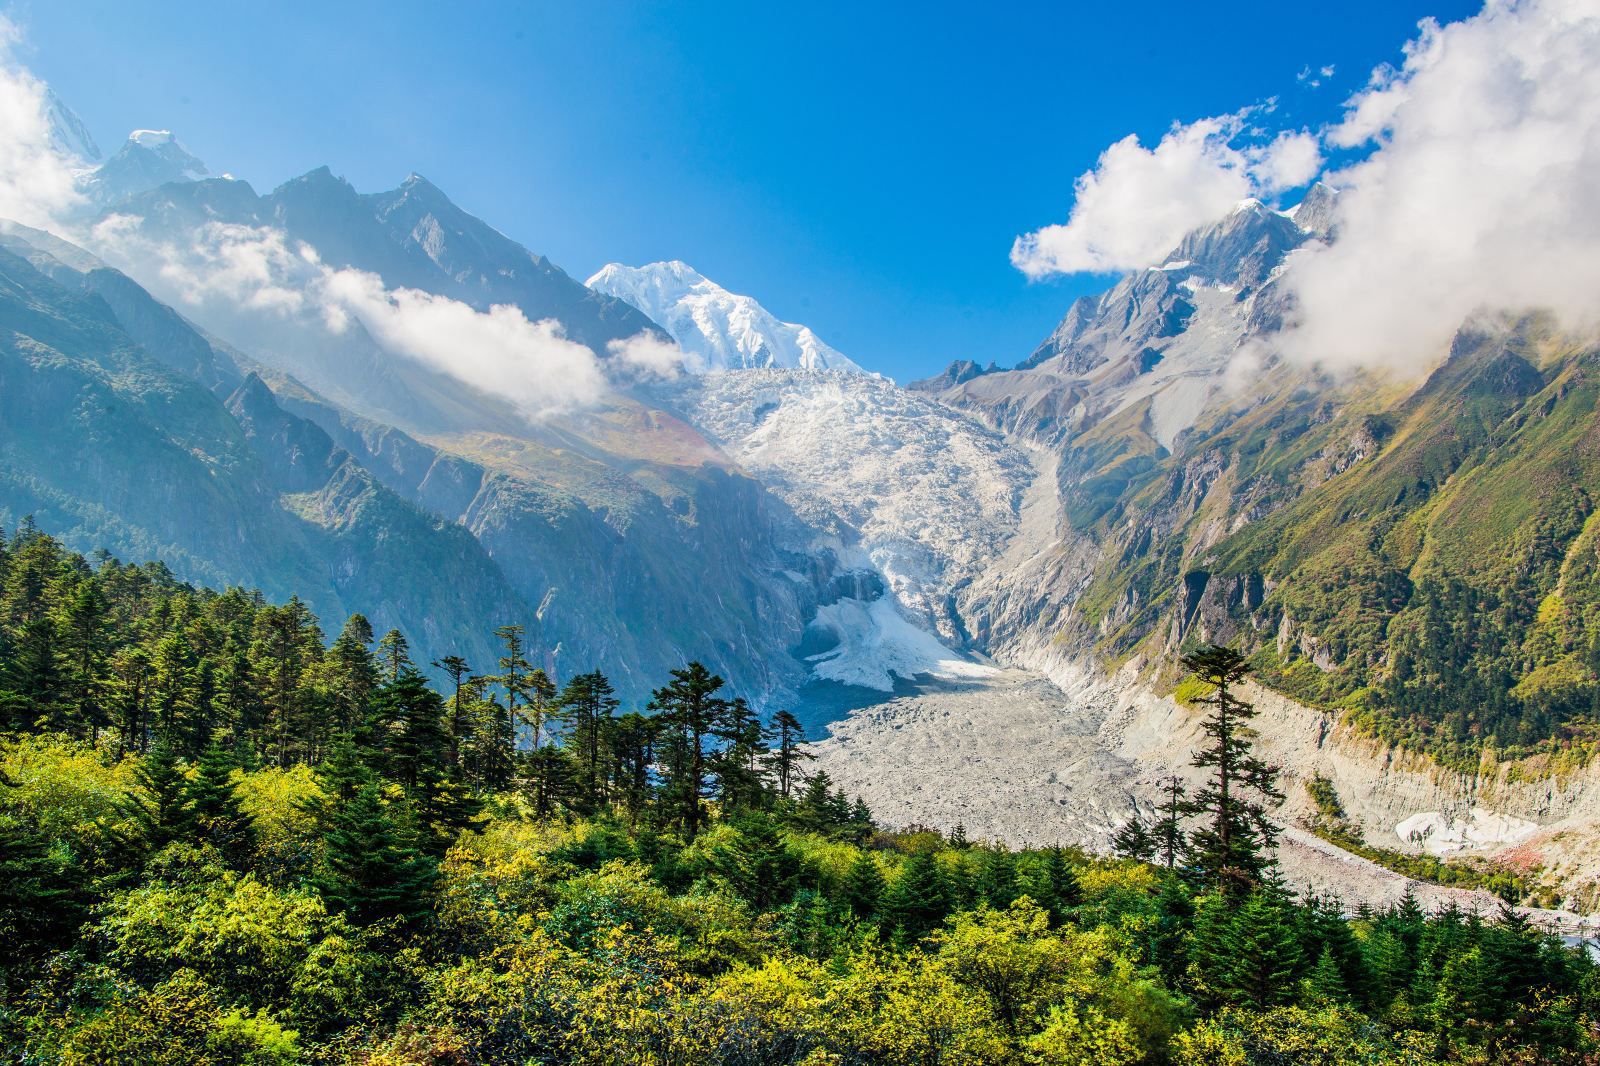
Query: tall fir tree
[(787, 758), (1232, 847), (691, 712)]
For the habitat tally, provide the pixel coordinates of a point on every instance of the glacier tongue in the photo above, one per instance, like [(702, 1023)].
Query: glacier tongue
[(890, 483), (725, 330)]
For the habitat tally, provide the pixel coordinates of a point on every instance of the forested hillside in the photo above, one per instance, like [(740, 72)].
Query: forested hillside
[(227, 840)]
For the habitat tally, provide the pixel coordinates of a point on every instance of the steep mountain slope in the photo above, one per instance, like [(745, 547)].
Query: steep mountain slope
[(635, 542), (724, 330), (106, 442), (1415, 554)]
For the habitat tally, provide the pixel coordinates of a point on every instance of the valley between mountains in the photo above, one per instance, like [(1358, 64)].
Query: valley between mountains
[(977, 585)]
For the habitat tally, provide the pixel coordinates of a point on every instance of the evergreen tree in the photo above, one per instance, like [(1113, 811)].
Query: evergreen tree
[(1134, 840), (159, 806), (368, 872), (1167, 833), (33, 674), (1231, 849), (997, 879), (130, 698), (1064, 893), (632, 745), (916, 902), (737, 767), (759, 863), (787, 756), (1325, 984), (86, 651), (352, 675), (412, 717), (394, 655), (460, 723), (546, 779), (1170, 932), (587, 705), (863, 889), (211, 808), (41, 906), (690, 712), (1262, 952)]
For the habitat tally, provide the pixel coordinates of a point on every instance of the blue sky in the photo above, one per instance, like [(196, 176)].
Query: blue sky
[(860, 168)]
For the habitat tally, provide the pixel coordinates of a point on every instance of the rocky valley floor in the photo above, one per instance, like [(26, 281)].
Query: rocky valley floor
[(1016, 758)]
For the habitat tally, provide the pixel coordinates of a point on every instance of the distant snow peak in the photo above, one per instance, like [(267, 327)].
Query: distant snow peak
[(151, 138), (725, 330)]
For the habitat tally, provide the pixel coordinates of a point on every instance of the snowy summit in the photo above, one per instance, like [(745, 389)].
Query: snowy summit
[(727, 330)]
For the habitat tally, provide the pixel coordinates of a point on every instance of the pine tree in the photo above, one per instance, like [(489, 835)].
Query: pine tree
[(997, 879), (40, 905), (863, 888), (916, 902), (632, 744), (489, 752), (394, 655), (737, 767), (460, 723), (690, 712), (368, 872), (1170, 931), (546, 779), (130, 697), (1232, 848), (159, 805), (787, 756), (1065, 894), (1133, 839), (759, 863), (412, 715), (212, 813), (1325, 984), (1262, 952), (1168, 832), (587, 704), (352, 675), (86, 651), (33, 673)]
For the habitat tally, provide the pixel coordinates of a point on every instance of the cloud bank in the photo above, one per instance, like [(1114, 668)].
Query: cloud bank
[(1137, 203), (256, 269), (1479, 190), (37, 183), (1482, 191)]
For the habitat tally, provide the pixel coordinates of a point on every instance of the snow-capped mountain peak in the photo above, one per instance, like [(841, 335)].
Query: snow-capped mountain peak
[(149, 158), (728, 331)]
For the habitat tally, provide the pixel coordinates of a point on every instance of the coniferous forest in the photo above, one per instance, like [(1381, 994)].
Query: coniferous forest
[(226, 838)]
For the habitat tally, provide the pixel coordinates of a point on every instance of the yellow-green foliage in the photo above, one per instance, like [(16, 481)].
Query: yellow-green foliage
[(63, 786), (1332, 1036), (275, 800), (1190, 689), (179, 1022)]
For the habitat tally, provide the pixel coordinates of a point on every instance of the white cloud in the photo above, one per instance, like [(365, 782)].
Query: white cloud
[(37, 184), (1137, 202), (499, 351), (1480, 194), (649, 355), (239, 270)]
